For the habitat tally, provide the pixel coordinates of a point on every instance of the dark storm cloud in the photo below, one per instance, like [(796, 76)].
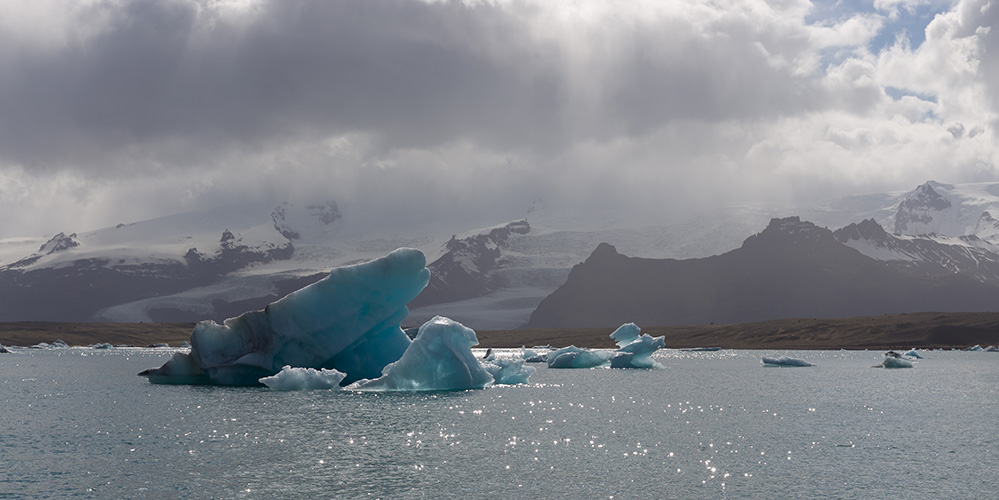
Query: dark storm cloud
[(173, 82)]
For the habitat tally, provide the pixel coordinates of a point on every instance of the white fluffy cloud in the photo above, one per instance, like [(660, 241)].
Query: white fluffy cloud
[(150, 107)]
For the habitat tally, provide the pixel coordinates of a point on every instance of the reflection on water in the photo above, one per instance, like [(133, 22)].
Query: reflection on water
[(708, 425)]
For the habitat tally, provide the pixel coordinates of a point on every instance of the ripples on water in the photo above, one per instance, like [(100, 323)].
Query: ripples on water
[(80, 423)]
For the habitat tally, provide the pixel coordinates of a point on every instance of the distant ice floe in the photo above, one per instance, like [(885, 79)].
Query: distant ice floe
[(303, 379), (4, 350), (574, 357), (635, 350), (912, 354), (57, 344), (893, 362), (974, 348), (785, 361)]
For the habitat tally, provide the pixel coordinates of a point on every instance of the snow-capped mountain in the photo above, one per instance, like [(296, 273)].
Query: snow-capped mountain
[(218, 263), (792, 269)]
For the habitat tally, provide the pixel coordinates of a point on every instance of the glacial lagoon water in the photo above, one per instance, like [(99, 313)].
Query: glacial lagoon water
[(79, 423)]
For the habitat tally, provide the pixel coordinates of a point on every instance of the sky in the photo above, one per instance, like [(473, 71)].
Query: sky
[(118, 111)]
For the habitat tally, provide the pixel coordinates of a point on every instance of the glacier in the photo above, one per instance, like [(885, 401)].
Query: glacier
[(304, 379), (440, 358), (348, 321)]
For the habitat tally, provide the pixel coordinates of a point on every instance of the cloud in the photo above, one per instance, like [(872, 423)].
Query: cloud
[(161, 106)]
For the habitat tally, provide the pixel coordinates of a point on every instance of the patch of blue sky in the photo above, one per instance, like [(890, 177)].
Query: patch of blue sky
[(910, 21), (898, 93)]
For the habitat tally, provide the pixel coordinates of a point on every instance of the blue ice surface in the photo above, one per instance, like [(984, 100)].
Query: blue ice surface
[(912, 354), (892, 362), (303, 379), (638, 352), (348, 321), (626, 334), (574, 357), (532, 356), (439, 359), (785, 361)]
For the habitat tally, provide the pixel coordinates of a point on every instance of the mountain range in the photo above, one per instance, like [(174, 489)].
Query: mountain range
[(902, 251)]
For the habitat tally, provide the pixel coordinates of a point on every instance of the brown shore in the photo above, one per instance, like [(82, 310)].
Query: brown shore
[(925, 330)]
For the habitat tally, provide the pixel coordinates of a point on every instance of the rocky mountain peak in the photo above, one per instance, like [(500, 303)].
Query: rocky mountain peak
[(59, 243), (987, 227), (920, 211), (866, 230)]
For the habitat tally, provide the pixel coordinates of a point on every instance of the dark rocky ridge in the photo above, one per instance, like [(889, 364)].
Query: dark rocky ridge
[(791, 269)]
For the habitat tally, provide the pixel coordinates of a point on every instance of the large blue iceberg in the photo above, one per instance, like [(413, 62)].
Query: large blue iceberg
[(348, 321), (439, 359)]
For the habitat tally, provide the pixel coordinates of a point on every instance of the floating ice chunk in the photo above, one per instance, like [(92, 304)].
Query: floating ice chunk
[(912, 354), (439, 359), (4, 350), (509, 371), (533, 356), (303, 379), (104, 345), (638, 354), (975, 348), (785, 361), (574, 357), (347, 321), (702, 349), (626, 334), (992, 348), (893, 362)]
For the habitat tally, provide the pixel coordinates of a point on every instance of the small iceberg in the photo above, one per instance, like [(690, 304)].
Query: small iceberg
[(974, 348), (303, 379), (533, 356), (574, 357), (4, 350), (894, 360), (785, 361), (509, 371), (104, 345), (891, 362), (635, 348), (439, 359), (912, 354), (992, 348), (702, 349)]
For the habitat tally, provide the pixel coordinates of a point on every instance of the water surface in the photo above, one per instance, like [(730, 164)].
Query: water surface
[(80, 423)]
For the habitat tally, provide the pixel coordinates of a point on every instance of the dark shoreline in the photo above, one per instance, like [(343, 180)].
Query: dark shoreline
[(892, 331)]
